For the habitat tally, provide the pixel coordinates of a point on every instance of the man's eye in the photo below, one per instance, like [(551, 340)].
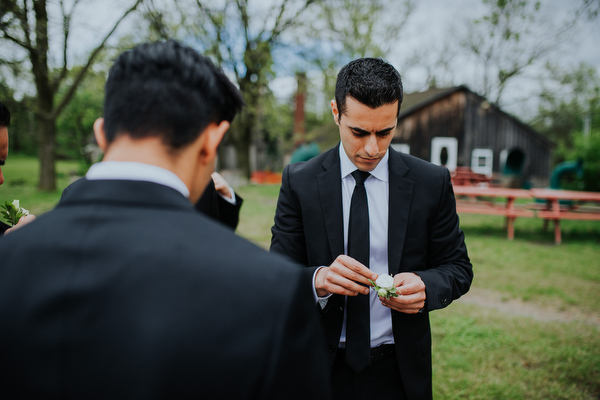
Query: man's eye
[(383, 134), (359, 134)]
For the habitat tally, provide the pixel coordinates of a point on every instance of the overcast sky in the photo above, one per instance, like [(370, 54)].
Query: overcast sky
[(433, 23)]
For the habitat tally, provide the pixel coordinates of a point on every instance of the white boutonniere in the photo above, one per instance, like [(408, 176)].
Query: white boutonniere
[(13, 212), (384, 286)]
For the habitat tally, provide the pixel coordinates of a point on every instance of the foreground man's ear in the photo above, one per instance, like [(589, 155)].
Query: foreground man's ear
[(213, 134), (99, 134)]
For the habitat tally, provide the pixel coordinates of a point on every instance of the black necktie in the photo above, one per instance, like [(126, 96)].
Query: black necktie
[(358, 335)]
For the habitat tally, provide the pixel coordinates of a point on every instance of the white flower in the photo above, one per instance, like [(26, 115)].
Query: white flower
[(385, 281), (16, 204), (384, 286)]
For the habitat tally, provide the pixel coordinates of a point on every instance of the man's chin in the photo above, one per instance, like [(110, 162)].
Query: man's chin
[(366, 165)]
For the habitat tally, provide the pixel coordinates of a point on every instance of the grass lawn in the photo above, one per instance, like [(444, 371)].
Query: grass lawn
[(529, 328)]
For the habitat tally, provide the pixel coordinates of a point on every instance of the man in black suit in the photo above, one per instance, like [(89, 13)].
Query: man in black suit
[(124, 291), (4, 123), (411, 231)]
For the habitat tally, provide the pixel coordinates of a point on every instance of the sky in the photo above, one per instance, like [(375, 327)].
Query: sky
[(437, 22), (433, 24)]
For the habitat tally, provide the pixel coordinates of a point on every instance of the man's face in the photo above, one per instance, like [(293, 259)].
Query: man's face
[(366, 133), (3, 149)]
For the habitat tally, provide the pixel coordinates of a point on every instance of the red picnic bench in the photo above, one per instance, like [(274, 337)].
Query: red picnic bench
[(554, 211), (485, 200)]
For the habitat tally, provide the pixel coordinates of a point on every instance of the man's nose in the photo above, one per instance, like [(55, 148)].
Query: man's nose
[(371, 147)]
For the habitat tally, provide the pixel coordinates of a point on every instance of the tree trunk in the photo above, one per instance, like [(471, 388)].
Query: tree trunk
[(243, 141), (47, 134)]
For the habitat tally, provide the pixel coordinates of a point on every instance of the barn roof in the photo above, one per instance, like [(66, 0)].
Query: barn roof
[(415, 101)]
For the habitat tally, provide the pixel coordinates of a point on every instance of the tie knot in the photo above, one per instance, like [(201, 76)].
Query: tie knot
[(360, 176)]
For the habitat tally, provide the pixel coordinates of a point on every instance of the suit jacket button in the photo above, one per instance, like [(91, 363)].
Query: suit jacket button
[(332, 348), (444, 302), (341, 309)]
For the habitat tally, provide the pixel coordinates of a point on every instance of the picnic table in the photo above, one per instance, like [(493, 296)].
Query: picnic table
[(464, 176), (572, 207), (487, 200)]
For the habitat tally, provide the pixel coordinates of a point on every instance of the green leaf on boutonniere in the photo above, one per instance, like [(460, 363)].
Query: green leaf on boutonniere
[(13, 212)]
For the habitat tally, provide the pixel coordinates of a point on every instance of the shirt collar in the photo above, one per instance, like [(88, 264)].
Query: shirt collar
[(381, 172), (135, 171)]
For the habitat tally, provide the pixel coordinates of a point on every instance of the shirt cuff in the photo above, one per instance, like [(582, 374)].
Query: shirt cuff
[(229, 200), (321, 300)]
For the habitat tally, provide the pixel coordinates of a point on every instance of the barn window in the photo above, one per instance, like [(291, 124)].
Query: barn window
[(444, 151), (482, 161)]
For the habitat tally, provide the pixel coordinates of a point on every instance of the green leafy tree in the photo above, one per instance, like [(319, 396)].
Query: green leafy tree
[(75, 124), (25, 28), (569, 101)]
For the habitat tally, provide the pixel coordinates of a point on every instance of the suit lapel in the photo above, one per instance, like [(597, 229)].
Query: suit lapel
[(330, 197), (400, 196)]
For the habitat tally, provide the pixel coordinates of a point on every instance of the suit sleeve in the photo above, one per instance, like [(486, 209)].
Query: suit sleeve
[(288, 231), (229, 214), (298, 357), (450, 272)]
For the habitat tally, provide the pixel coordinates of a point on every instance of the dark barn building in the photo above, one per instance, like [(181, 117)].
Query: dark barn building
[(458, 128)]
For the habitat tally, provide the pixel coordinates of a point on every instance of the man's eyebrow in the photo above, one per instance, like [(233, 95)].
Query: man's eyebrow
[(381, 132)]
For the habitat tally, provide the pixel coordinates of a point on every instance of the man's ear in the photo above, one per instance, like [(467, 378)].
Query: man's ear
[(213, 134), (335, 112), (99, 134)]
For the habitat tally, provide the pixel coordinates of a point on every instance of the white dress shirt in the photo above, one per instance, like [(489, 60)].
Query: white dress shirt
[(377, 187), (135, 171)]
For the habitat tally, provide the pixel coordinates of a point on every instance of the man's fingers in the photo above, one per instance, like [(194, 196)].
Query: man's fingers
[(353, 269), (349, 285), (331, 280)]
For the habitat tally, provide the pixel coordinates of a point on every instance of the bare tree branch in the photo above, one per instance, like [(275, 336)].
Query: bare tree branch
[(65, 100)]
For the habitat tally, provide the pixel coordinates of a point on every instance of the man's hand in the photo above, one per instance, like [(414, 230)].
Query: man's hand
[(344, 276), (24, 220), (221, 185), (412, 294)]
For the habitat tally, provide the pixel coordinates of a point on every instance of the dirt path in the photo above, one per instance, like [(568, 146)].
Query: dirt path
[(495, 300)]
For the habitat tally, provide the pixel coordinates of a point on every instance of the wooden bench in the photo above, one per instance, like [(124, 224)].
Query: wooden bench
[(555, 211), (585, 216), (486, 201)]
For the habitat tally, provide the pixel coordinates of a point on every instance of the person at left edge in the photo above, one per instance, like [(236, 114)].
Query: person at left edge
[(4, 123)]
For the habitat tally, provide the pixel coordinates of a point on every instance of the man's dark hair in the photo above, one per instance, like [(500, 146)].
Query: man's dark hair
[(370, 81), (4, 115), (166, 90)]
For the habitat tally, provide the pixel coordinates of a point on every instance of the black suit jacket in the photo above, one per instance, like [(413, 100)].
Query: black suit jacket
[(124, 291), (423, 237), (216, 207)]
